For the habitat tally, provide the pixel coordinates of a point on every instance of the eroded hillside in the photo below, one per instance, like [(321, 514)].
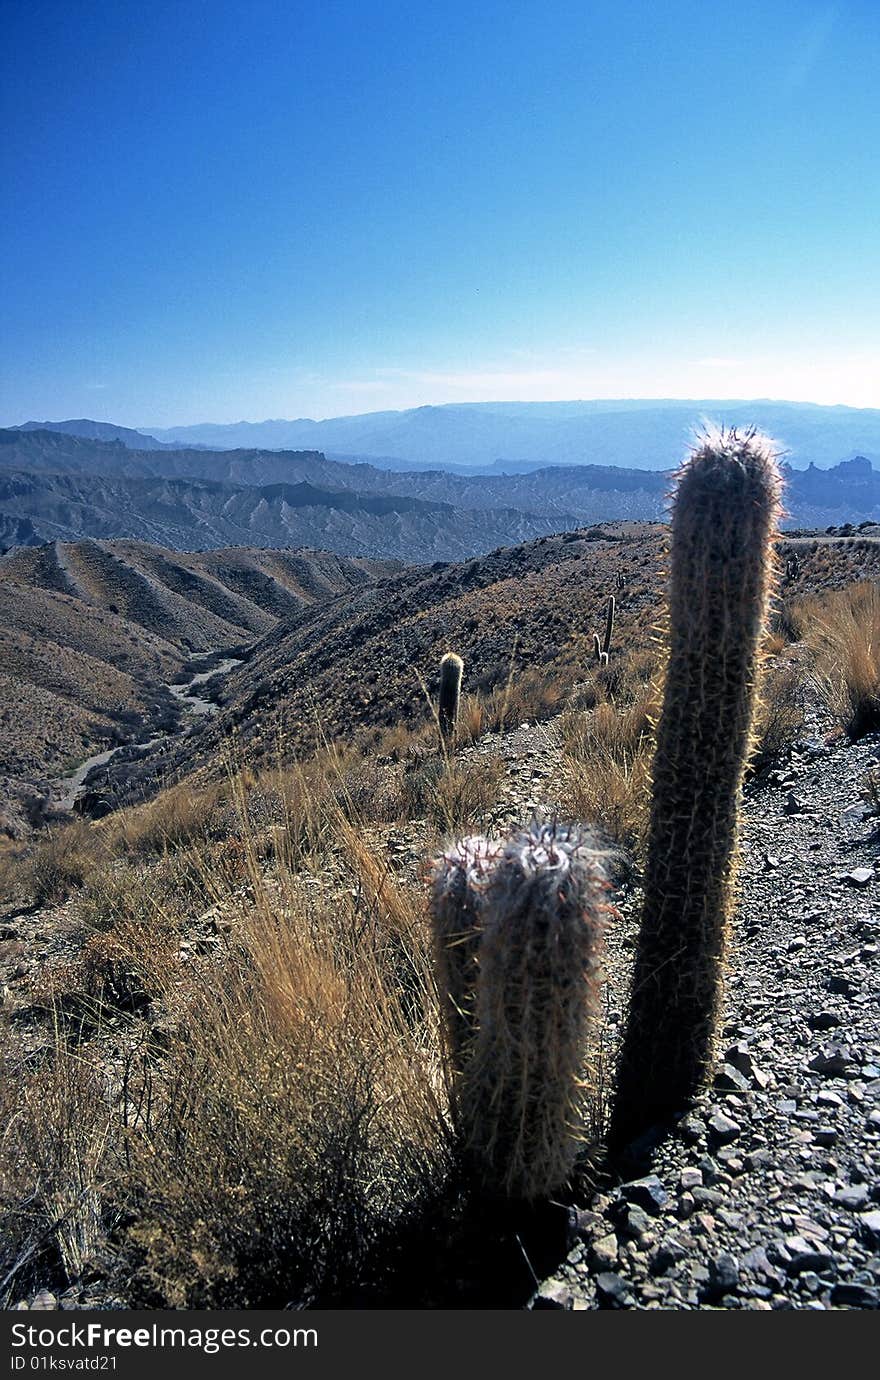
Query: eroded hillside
[(91, 633)]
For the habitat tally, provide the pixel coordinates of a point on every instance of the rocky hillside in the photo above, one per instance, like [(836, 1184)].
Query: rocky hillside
[(367, 661)]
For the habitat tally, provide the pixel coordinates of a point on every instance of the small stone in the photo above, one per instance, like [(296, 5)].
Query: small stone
[(823, 1020), (647, 1193), (722, 1129), (855, 1296), (860, 876), (729, 1079), (45, 1302), (832, 1061), (869, 1227), (603, 1253), (690, 1178), (792, 805), (612, 1291), (855, 1197), (724, 1273), (686, 1206)]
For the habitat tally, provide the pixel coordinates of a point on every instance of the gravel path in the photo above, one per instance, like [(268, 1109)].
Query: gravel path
[(768, 1194)]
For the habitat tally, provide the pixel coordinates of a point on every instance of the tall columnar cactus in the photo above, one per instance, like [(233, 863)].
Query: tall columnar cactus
[(458, 887), (451, 669), (522, 1091), (725, 510), (609, 626)]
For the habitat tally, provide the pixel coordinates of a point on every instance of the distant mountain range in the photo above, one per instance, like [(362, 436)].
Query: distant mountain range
[(100, 431), (649, 434), (55, 486)]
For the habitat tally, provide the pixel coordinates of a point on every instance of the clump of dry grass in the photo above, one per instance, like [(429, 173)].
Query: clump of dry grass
[(298, 1115), (54, 1136), (53, 864), (779, 718), (293, 1115), (842, 629), (177, 816), (452, 793), (607, 782)]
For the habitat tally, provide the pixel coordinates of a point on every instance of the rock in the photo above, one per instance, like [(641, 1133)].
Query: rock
[(632, 1220), (842, 985), (860, 876), (855, 1197), (612, 1291), (45, 1302), (723, 1273), (690, 1178), (647, 1193), (832, 1061), (603, 1253), (691, 1129), (823, 1020), (555, 1294), (667, 1254), (792, 805), (729, 1079), (722, 1129), (806, 1255), (869, 1227), (855, 1296)]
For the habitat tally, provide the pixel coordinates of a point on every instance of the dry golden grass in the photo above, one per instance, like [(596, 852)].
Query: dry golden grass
[(54, 1135), (842, 630), (295, 1115), (55, 863), (298, 1114), (779, 719), (609, 774)]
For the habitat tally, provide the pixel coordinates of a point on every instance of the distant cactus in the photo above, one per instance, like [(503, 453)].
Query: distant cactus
[(792, 566), (451, 669), (522, 1094), (621, 580), (725, 510), (597, 648), (458, 886)]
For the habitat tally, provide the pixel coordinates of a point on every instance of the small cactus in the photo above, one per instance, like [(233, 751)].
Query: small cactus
[(724, 515), (522, 1095), (451, 670)]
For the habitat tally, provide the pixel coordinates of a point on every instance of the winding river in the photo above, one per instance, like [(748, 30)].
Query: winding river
[(71, 786)]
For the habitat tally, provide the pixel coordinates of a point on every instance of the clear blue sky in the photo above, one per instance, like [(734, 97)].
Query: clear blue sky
[(223, 210)]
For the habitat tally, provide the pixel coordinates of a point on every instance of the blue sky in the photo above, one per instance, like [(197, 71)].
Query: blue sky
[(217, 211)]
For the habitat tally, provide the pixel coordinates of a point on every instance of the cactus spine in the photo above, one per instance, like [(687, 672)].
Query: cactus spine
[(725, 509), (451, 669), (521, 1098)]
